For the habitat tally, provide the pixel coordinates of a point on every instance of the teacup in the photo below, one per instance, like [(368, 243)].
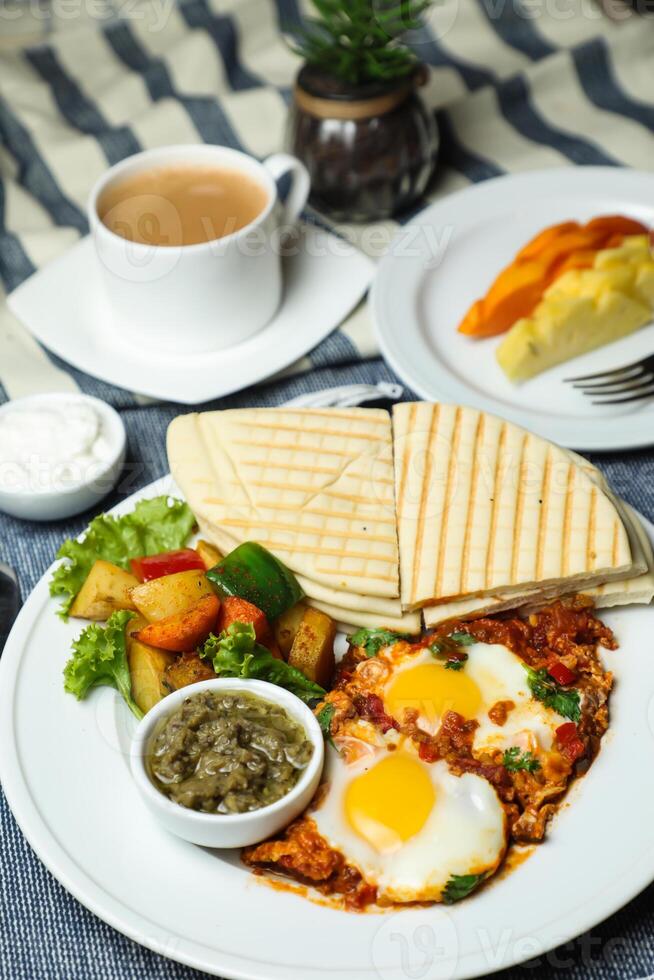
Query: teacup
[(205, 296)]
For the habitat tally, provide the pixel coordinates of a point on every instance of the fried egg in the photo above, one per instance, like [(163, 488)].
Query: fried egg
[(408, 826), (491, 673)]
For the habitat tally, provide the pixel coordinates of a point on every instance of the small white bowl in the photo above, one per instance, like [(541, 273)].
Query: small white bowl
[(53, 505), (230, 829)]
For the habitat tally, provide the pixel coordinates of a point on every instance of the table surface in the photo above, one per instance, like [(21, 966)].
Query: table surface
[(514, 90)]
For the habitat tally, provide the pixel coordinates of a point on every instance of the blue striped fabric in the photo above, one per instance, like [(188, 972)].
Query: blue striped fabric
[(218, 71)]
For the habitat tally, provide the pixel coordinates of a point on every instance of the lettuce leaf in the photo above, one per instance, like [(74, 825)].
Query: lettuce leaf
[(160, 524), (100, 659), (235, 653)]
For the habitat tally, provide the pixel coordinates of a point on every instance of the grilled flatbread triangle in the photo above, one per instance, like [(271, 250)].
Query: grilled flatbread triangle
[(485, 507), (347, 608), (314, 486), (639, 588)]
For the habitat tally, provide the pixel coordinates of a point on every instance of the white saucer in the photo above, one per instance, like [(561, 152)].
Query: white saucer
[(449, 255), (64, 306)]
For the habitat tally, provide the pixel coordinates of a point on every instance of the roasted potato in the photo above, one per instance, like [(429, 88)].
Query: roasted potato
[(287, 626), (208, 553), (184, 631), (186, 670), (147, 666), (312, 651), (170, 594), (107, 588)]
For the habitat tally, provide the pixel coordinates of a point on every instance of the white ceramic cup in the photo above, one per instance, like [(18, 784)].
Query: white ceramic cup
[(194, 298)]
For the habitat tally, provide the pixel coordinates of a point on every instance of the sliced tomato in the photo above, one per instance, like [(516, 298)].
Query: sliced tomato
[(566, 732), (561, 673), (572, 746), (167, 563)]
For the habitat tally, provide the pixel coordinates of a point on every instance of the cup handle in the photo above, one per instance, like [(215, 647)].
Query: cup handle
[(282, 163)]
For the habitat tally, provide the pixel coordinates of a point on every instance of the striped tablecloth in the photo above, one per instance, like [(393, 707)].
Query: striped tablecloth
[(517, 85)]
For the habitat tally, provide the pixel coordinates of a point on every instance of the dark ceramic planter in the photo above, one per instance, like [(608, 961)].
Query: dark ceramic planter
[(370, 150)]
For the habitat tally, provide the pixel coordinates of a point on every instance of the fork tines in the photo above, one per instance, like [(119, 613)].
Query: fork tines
[(635, 381)]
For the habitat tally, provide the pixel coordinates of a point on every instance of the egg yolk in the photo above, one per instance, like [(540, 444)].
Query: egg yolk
[(390, 803), (431, 690)]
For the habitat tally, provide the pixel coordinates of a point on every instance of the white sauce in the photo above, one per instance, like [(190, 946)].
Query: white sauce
[(52, 446)]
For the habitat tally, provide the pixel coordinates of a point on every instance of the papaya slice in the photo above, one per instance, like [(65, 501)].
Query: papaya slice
[(545, 238), (614, 224)]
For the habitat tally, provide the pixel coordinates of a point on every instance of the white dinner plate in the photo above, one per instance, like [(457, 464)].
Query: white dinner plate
[(65, 771), (65, 306), (449, 255)]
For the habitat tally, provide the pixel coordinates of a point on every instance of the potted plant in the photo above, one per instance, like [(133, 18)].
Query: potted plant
[(357, 121)]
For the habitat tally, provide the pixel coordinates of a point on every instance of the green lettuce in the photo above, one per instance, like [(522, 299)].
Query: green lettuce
[(100, 659), (159, 524), (236, 653)]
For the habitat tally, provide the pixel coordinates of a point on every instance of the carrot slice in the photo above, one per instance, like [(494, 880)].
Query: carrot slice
[(235, 610), (184, 631)]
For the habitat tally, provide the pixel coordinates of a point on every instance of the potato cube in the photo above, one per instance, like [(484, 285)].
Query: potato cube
[(107, 588), (312, 651), (170, 594)]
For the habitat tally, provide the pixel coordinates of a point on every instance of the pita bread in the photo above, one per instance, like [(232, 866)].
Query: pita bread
[(348, 602), (314, 486), (486, 508), (348, 619), (638, 589)]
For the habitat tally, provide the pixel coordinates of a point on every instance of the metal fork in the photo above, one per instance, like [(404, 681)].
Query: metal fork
[(634, 381)]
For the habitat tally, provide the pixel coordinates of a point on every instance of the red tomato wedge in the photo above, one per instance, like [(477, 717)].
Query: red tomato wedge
[(185, 631), (166, 563), (572, 746), (561, 673)]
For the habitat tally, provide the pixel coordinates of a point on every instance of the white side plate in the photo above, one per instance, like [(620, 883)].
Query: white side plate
[(65, 770), (65, 306), (449, 255)]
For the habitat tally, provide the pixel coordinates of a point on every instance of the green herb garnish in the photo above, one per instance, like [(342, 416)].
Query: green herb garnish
[(460, 886), (565, 701), (100, 659), (160, 524), (324, 719), (449, 646), (463, 639), (373, 640), (236, 653), (513, 760)]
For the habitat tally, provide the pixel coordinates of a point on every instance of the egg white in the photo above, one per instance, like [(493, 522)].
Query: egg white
[(499, 675), (464, 833)]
